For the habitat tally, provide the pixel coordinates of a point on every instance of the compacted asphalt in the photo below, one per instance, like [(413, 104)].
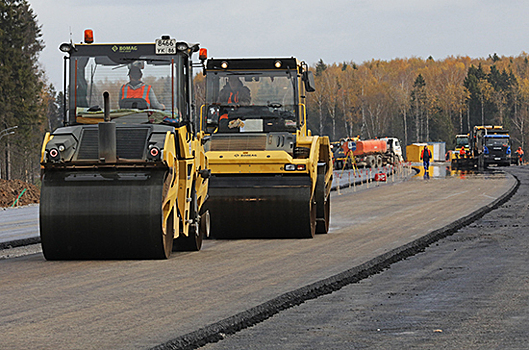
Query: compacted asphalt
[(469, 290), (197, 298)]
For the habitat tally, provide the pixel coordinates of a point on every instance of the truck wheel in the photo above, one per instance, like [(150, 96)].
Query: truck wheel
[(379, 161), (370, 160)]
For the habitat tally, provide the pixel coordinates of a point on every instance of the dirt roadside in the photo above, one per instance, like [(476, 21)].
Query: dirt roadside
[(10, 190)]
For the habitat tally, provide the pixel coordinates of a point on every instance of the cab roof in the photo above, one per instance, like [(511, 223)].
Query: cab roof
[(252, 63)]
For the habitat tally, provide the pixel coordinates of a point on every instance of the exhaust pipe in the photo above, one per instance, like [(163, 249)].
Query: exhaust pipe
[(107, 134)]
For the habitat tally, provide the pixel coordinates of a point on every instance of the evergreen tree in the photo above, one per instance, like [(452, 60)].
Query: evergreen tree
[(320, 67), (20, 78), (418, 105)]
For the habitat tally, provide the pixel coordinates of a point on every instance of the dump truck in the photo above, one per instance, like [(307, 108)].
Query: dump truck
[(270, 176), (126, 177), (490, 145)]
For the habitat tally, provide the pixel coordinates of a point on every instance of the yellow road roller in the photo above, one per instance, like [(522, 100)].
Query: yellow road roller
[(270, 177), (126, 177)]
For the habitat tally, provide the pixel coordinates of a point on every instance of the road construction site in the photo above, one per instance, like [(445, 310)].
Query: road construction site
[(196, 298)]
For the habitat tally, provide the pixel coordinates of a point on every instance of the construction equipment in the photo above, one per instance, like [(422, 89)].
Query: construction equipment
[(461, 157), (490, 145), (270, 176), (485, 145), (129, 180), (339, 158), (373, 153)]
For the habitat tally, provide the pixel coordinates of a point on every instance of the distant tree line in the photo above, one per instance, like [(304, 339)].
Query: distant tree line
[(420, 100), (414, 99)]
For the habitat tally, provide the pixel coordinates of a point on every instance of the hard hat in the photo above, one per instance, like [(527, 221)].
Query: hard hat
[(135, 71)]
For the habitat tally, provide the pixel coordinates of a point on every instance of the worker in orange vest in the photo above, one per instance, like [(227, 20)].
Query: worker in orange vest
[(519, 153), (236, 94), (426, 155), (138, 90)]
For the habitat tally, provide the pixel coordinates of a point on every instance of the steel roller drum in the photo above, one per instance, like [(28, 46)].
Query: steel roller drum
[(261, 207), (102, 214)]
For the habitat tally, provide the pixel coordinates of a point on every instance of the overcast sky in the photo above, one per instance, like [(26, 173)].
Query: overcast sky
[(333, 30)]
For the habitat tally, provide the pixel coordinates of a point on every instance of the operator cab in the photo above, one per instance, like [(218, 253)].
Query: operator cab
[(253, 96), (147, 83)]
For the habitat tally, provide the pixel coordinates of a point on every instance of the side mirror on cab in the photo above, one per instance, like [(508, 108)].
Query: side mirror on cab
[(308, 79)]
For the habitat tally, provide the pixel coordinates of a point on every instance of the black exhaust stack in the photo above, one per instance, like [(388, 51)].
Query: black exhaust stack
[(107, 135)]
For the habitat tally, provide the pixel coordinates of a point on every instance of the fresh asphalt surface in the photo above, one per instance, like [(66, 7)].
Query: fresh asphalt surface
[(194, 298), (19, 226), (469, 290)]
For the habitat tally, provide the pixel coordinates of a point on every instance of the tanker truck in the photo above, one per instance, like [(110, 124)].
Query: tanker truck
[(373, 153)]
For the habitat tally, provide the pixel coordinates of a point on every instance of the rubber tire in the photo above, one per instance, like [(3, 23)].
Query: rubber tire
[(323, 227), (322, 203), (379, 161), (371, 161), (312, 230), (205, 224), (168, 236), (192, 242)]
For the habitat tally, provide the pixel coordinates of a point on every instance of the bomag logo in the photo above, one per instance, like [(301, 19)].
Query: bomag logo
[(245, 155), (124, 48)]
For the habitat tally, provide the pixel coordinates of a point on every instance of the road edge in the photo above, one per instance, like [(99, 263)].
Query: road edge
[(218, 331)]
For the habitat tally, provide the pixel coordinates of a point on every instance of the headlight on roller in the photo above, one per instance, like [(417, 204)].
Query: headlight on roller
[(154, 153), (54, 155), (294, 167)]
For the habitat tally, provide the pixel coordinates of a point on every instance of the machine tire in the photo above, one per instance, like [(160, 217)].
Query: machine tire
[(168, 235), (322, 226), (205, 224), (192, 242), (312, 230), (322, 203), (371, 162), (379, 161)]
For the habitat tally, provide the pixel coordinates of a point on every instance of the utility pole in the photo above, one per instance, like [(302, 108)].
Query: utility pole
[(6, 132)]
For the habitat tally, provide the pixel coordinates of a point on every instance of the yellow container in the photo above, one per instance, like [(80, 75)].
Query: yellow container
[(413, 152)]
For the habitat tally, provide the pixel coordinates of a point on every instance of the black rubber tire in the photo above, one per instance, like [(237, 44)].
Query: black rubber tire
[(168, 235), (370, 162), (378, 161), (192, 242), (322, 203), (205, 224), (322, 226), (312, 230)]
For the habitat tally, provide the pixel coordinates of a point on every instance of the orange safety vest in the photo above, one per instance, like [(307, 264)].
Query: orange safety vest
[(142, 92), (235, 97)]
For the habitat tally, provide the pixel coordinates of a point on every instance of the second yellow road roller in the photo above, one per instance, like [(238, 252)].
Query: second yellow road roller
[(270, 176)]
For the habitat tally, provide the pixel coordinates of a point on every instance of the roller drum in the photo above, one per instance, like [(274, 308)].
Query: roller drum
[(261, 207), (103, 214)]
